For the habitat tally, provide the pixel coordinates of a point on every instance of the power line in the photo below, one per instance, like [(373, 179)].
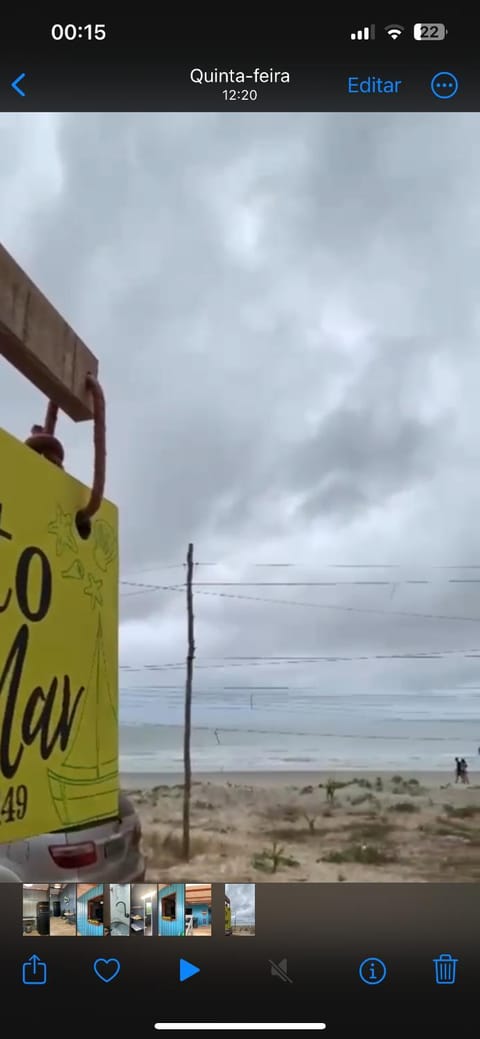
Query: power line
[(414, 654), (324, 735), (225, 663), (313, 584), (248, 691), (324, 566), (145, 589), (327, 584)]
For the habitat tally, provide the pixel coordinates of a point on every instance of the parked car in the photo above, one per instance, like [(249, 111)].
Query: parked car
[(102, 852)]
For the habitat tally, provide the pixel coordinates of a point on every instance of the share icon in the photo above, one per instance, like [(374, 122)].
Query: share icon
[(279, 970)]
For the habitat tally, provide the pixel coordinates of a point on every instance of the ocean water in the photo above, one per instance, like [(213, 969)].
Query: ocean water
[(239, 732)]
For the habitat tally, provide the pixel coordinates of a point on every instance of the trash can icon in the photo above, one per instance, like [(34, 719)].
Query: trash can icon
[(445, 969)]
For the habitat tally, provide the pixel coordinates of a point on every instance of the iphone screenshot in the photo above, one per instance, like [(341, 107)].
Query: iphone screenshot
[(239, 515)]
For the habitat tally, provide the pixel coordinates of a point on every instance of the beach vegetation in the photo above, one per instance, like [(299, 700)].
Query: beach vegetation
[(270, 861), (362, 799), (379, 784), (461, 811), (407, 786), (165, 850), (281, 813), (291, 813), (366, 854), (311, 821), (378, 830), (365, 783), (444, 827), (468, 865), (330, 790), (292, 833), (362, 826)]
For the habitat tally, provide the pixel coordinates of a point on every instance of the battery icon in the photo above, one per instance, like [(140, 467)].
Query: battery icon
[(429, 31)]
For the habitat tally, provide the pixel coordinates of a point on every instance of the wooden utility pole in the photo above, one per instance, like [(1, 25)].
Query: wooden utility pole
[(187, 766)]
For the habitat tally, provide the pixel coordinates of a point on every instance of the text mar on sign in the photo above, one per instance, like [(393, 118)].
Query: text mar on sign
[(58, 650)]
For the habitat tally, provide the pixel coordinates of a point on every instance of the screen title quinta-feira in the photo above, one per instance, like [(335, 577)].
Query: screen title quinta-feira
[(237, 76)]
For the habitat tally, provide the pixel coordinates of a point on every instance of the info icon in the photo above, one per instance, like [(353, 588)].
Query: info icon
[(372, 971)]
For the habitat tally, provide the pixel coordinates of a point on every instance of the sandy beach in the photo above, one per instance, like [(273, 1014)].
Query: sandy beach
[(302, 827)]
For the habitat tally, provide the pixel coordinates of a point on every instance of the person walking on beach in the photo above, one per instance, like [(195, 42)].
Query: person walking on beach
[(464, 769), (458, 769)]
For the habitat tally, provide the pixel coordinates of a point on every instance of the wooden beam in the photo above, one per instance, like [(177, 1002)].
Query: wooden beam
[(39, 343)]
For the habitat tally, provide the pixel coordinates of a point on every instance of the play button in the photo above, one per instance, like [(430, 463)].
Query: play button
[(187, 970)]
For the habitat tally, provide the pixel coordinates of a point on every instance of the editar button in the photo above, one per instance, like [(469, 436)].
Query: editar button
[(373, 85)]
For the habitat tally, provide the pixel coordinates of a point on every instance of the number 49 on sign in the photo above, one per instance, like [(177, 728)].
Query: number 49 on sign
[(58, 650), (13, 804)]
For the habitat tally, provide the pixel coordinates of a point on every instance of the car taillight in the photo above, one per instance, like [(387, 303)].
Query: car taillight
[(73, 856)]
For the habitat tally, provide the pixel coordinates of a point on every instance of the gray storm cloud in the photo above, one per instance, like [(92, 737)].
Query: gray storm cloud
[(286, 314)]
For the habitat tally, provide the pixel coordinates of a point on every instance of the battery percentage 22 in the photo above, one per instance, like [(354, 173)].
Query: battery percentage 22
[(429, 31)]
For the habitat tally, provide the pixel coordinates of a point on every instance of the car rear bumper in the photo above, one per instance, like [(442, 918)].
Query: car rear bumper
[(42, 869), (106, 852)]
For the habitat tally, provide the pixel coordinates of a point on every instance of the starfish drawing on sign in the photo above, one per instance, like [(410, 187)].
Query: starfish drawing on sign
[(62, 528), (76, 571), (94, 590), (105, 544)]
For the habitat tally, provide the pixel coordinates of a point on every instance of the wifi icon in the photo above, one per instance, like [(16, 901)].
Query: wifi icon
[(394, 31)]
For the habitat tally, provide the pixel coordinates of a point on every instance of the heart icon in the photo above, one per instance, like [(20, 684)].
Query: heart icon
[(106, 970)]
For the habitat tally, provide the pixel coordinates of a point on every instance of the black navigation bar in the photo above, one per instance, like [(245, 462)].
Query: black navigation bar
[(308, 64), (372, 87)]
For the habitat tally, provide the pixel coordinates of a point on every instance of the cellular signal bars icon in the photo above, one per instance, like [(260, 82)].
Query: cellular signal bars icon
[(367, 33)]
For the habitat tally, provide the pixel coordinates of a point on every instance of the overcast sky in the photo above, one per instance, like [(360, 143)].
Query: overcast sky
[(242, 899), (286, 313)]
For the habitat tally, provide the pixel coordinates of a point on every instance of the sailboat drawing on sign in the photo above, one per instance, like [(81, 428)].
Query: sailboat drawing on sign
[(90, 778)]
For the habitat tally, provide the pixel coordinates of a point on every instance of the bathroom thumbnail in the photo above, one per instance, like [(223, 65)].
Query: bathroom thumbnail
[(117, 910), (143, 910)]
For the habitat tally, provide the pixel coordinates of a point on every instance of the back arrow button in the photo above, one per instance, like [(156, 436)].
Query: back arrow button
[(15, 85)]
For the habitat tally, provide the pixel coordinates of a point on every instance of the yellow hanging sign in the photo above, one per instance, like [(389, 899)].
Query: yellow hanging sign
[(58, 650)]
